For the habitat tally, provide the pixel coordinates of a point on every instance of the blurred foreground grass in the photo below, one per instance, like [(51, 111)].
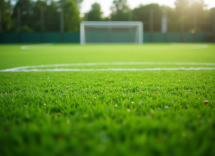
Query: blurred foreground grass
[(107, 113)]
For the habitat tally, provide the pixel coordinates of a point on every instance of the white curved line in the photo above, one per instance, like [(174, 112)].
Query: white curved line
[(35, 68), (114, 63)]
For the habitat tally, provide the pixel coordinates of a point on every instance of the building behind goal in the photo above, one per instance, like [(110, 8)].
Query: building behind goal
[(111, 32)]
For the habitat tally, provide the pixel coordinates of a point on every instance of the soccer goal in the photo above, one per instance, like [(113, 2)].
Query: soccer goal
[(111, 32)]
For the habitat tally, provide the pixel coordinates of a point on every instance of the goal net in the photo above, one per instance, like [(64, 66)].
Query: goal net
[(111, 32)]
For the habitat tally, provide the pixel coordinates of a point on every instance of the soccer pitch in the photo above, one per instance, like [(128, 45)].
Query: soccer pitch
[(62, 99)]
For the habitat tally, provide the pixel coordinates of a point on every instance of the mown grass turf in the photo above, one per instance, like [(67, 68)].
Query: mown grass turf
[(106, 113), (14, 56)]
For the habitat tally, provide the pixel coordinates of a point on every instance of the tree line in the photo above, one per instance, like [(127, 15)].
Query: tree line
[(48, 15)]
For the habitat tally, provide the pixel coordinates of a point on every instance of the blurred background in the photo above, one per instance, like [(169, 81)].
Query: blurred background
[(58, 21)]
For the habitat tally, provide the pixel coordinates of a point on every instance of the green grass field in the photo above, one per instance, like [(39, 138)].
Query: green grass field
[(88, 109)]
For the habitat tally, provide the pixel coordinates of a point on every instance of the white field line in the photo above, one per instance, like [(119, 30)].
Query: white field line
[(35, 46), (55, 66), (175, 46), (109, 69)]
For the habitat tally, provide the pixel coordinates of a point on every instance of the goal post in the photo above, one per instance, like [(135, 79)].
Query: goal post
[(111, 32)]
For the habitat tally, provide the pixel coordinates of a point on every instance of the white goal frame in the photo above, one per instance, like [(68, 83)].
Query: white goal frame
[(110, 23)]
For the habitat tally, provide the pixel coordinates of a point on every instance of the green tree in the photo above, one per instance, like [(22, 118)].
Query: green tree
[(142, 13), (182, 4), (188, 4), (39, 9), (25, 6), (211, 21), (52, 17), (120, 10), (187, 10), (6, 11), (79, 2), (95, 14), (40, 5), (71, 15), (23, 9)]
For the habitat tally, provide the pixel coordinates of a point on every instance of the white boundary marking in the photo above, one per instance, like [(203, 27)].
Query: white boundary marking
[(35, 68), (35, 46), (109, 69), (171, 46)]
